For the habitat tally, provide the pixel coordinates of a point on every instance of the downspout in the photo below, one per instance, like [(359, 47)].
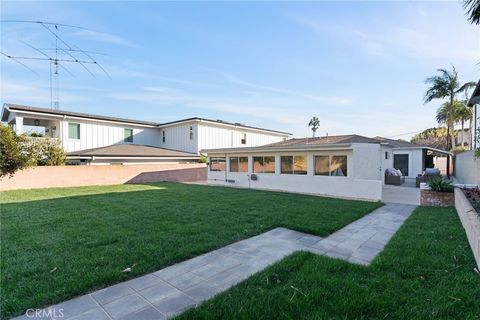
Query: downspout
[(226, 178)]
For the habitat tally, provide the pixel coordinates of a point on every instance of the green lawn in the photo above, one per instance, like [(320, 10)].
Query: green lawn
[(59, 243), (425, 272)]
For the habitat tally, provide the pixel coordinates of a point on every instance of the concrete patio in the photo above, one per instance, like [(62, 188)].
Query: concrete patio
[(172, 290)]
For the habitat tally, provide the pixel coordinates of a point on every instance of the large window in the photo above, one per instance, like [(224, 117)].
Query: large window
[(238, 164), (217, 164), (293, 164), (128, 135), (264, 164), (73, 131), (331, 166)]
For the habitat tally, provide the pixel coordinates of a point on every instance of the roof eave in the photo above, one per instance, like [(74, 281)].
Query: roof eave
[(280, 149)]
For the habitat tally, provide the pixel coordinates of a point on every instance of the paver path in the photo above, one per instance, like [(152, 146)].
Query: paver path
[(172, 290)]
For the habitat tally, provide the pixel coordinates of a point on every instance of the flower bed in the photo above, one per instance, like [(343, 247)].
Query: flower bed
[(473, 196)]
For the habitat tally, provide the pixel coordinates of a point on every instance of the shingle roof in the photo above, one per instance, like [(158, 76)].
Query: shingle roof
[(343, 139), (132, 150), (399, 143), (77, 114), (236, 124), (125, 120)]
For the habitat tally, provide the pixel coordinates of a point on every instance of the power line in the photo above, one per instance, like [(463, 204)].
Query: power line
[(54, 60)]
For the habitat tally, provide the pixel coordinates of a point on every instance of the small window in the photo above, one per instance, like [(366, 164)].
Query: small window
[(264, 164), (217, 164), (387, 155), (191, 133), (238, 164), (163, 135), (74, 131), (293, 164), (322, 165), (244, 138), (338, 166), (128, 135)]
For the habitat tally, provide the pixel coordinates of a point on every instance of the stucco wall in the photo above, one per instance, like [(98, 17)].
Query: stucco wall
[(363, 180), (415, 161), (467, 168), (70, 176)]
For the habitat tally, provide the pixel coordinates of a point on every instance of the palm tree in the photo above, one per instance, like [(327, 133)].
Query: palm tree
[(473, 10), (315, 124), (446, 85), (464, 113), (447, 114)]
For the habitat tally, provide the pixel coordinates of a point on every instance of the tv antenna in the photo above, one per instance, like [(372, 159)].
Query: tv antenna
[(62, 53)]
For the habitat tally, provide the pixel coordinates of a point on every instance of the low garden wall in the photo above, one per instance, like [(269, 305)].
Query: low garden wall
[(436, 199), (470, 221), (72, 176)]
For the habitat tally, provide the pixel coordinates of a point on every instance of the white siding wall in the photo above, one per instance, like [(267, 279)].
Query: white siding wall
[(386, 163), (415, 164), (363, 180), (212, 136), (208, 135), (94, 134), (177, 137)]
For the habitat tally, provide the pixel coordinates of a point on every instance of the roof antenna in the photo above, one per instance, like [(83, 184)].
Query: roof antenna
[(56, 61)]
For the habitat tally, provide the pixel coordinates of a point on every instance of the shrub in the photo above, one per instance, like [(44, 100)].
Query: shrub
[(13, 156), (441, 185), (203, 159), (45, 152)]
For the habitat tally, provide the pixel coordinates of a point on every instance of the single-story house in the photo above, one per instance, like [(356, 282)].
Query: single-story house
[(349, 166), (80, 132)]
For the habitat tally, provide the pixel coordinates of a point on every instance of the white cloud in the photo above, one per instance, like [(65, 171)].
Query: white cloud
[(107, 38)]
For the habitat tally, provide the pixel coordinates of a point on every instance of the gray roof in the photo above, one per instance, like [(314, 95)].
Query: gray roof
[(400, 143), (343, 139), (236, 124), (14, 107), (132, 150)]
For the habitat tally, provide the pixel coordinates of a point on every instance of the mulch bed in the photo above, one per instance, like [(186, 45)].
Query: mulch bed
[(473, 195)]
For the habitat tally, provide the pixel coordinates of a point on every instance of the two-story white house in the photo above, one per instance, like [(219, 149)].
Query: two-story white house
[(97, 139)]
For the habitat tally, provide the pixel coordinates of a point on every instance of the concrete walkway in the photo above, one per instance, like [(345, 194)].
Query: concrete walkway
[(170, 291)]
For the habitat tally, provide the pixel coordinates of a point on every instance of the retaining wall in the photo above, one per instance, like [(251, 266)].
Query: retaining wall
[(470, 221)]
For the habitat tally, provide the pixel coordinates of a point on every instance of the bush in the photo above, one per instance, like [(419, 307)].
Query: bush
[(45, 152), (13, 157), (19, 152), (203, 159), (441, 185)]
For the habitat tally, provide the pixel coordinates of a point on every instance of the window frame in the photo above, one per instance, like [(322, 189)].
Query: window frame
[(295, 172), (191, 133), (212, 159), (78, 130), (163, 136), (330, 156), (263, 164), (243, 139), (237, 164), (127, 139)]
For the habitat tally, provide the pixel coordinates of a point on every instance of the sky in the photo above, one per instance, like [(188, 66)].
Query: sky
[(360, 67)]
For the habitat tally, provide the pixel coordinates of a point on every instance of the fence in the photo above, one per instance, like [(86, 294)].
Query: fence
[(72, 176), (467, 168)]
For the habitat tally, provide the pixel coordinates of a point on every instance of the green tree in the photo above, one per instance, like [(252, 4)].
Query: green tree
[(473, 10), (12, 155), (446, 86), (464, 113), (315, 124), (45, 152), (432, 137)]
